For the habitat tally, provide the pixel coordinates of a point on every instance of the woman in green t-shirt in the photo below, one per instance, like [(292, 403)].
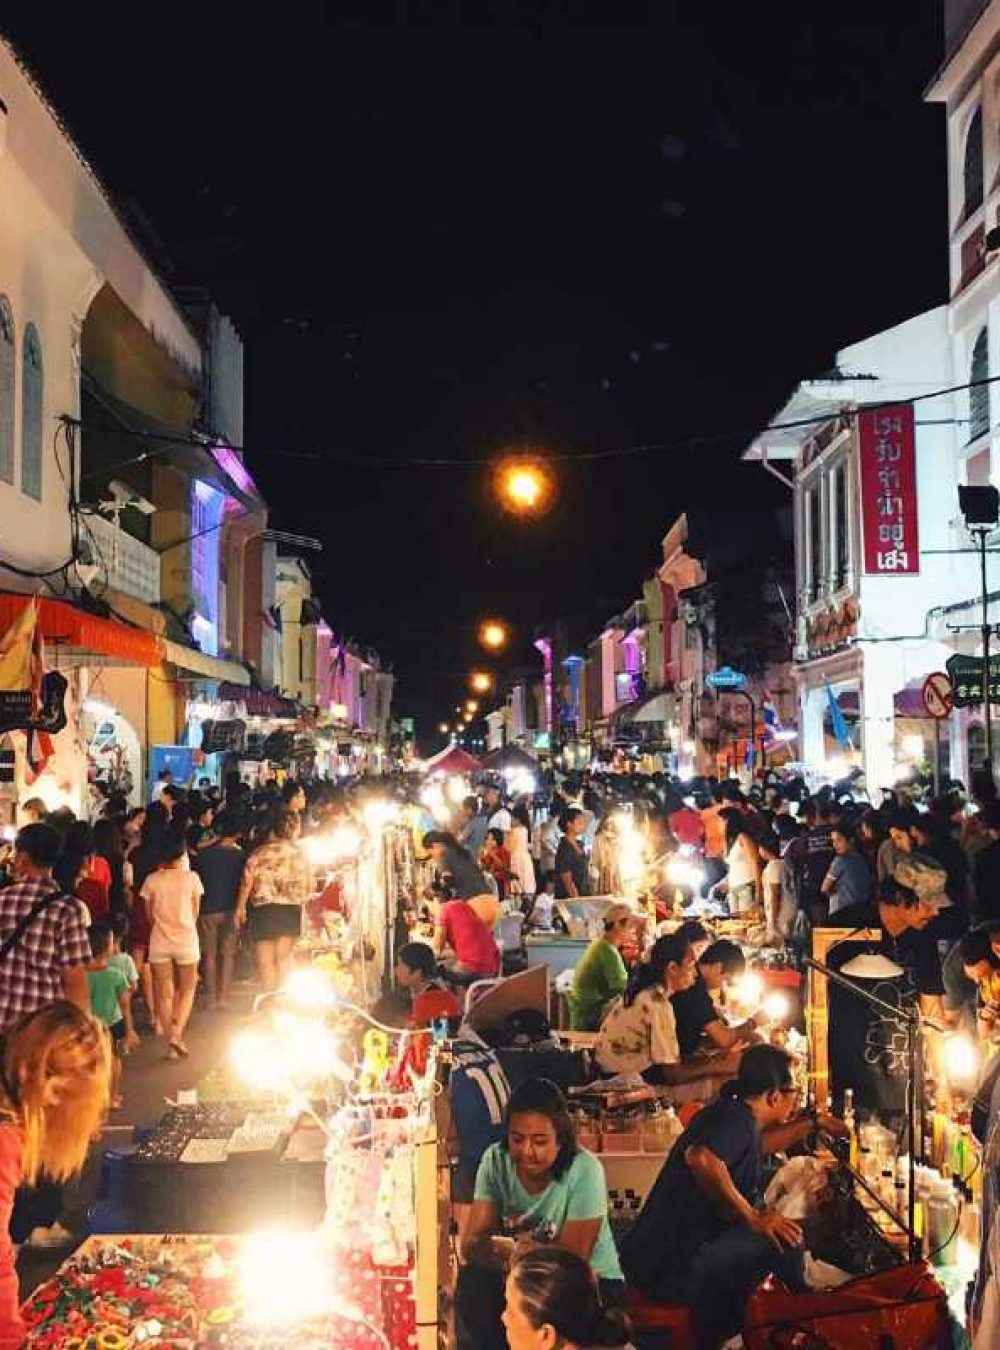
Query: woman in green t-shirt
[(600, 975), (535, 1187)]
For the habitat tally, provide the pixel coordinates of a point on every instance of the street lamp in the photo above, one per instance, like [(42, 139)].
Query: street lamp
[(472, 706), (480, 682), (444, 728), (493, 634), (981, 508), (523, 485)]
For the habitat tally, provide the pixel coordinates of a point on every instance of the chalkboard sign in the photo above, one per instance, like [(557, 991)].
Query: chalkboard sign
[(279, 746), (868, 1047), (221, 737)]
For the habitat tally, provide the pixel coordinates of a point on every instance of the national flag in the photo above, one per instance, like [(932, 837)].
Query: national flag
[(839, 727)]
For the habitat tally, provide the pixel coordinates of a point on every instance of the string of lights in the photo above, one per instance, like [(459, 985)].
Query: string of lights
[(164, 444)]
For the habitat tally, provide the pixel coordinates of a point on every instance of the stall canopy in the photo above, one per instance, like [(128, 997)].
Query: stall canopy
[(72, 632), (510, 757), (453, 759)]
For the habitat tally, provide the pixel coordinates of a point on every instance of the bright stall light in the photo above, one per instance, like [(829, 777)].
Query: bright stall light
[(777, 1006), (961, 1060), (456, 790), (684, 872), (913, 747), (308, 987), (254, 1057), (631, 849), (750, 989), (284, 1277), (520, 782), (378, 814), (324, 849), (97, 708)]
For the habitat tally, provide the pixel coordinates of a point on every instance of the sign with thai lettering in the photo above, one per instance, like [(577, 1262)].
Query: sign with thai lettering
[(726, 679), (966, 675), (889, 491)]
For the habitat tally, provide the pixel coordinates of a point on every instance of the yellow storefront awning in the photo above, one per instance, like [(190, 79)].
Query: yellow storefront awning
[(200, 663)]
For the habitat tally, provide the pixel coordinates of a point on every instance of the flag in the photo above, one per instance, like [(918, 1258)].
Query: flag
[(38, 743), (839, 727), (17, 655), (772, 722)]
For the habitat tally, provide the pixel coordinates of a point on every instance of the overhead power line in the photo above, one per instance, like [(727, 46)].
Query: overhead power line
[(164, 444)]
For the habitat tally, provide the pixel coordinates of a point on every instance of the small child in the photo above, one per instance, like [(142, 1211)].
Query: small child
[(110, 993), (120, 959)]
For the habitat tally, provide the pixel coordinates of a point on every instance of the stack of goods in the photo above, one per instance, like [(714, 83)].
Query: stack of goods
[(178, 1294), (624, 1120), (211, 1133)]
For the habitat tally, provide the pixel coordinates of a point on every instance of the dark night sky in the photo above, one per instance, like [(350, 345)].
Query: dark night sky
[(441, 239)]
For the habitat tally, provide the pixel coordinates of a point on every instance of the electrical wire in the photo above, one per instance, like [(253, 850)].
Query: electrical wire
[(165, 443)]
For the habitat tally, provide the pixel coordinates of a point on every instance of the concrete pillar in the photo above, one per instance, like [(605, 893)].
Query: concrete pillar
[(881, 676), (812, 706)]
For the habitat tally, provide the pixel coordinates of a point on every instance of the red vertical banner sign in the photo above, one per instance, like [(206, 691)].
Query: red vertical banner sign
[(889, 491)]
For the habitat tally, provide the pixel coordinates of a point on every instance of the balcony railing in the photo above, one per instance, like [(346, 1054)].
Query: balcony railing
[(126, 564)]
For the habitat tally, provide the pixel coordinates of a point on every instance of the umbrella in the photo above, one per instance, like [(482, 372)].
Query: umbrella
[(453, 759), (510, 757)]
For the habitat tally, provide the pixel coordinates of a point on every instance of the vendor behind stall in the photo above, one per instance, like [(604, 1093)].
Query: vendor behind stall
[(701, 1238), (639, 1033), (600, 975), (460, 925), (536, 1186), (904, 917), (699, 1024)]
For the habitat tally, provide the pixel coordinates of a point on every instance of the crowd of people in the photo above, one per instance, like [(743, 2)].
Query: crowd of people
[(120, 921)]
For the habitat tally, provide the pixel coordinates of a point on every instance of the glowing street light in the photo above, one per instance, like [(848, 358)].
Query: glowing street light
[(444, 728), (480, 682), (493, 634), (524, 486), (472, 706)]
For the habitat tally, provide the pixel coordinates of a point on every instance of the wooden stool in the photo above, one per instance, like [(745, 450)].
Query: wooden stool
[(660, 1326)]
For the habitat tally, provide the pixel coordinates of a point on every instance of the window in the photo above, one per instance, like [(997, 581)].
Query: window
[(841, 542), (6, 391), (972, 171), (814, 527), (976, 745), (32, 396), (979, 395)]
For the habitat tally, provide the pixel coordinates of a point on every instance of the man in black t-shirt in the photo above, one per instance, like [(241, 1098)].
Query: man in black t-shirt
[(221, 868), (697, 1017), (903, 918)]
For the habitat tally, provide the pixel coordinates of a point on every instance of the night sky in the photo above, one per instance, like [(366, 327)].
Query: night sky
[(550, 227)]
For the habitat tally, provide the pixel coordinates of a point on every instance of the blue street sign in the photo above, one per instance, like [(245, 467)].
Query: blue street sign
[(725, 678)]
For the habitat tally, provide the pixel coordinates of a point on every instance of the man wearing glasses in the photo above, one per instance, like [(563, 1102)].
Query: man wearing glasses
[(703, 1238)]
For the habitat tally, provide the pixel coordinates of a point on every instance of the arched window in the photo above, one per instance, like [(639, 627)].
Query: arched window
[(979, 394), (32, 396), (972, 172), (6, 391)]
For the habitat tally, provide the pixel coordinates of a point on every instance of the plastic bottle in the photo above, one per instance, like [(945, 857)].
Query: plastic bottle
[(852, 1126), (942, 1213)]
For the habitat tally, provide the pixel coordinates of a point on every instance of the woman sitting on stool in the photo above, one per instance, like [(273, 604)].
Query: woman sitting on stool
[(537, 1186)]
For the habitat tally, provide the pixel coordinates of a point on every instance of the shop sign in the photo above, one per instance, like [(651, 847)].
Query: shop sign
[(889, 491), (254, 746), (223, 737), (279, 747), (966, 675), (726, 680)]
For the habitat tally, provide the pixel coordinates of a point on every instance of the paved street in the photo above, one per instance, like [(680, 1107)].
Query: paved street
[(148, 1080)]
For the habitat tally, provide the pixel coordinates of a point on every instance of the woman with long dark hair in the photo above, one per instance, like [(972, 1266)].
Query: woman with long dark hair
[(639, 1031), (702, 1237), (553, 1301), (536, 1184), (108, 844)]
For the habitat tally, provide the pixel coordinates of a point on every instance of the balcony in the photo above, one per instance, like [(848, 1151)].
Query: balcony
[(126, 564)]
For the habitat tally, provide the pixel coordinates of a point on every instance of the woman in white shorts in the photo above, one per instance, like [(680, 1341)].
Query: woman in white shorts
[(172, 895)]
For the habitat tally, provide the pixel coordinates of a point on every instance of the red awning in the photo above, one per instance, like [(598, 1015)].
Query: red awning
[(65, 626)]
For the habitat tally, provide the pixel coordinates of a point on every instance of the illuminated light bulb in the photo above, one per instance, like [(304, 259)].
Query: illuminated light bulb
[(682, 872), (378, 814), (777, 1006), (750, 989), (284, 1277), (913, 747), (444, 728), (492, 634), (961, 1060), (471, 706), (254, 1057), (456, 790), (481, 682), (308, 987)]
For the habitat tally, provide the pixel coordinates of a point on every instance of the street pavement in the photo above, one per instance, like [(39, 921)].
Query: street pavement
[(148, 1080)]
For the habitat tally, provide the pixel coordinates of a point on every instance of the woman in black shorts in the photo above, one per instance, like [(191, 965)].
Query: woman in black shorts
[(276, 884)]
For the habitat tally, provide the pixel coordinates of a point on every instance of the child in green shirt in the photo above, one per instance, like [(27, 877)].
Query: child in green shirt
[(110, 991)]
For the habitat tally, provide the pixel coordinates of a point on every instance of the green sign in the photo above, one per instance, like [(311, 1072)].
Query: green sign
[(966, 675)]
